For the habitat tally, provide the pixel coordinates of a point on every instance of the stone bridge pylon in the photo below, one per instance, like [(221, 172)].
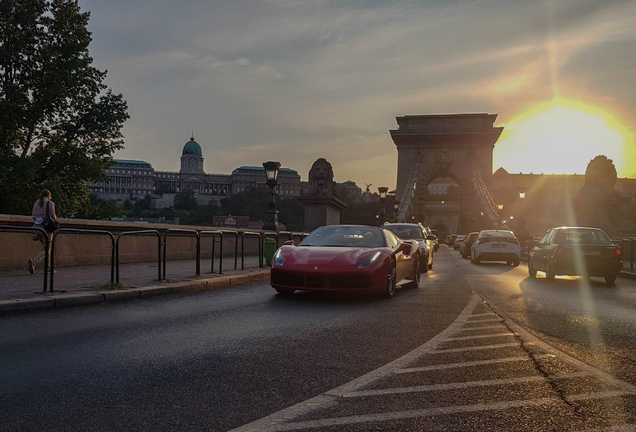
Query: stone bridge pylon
[(459, 146)]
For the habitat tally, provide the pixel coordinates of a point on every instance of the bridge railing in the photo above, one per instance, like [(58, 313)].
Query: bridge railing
[(489, 206), (406, 201)]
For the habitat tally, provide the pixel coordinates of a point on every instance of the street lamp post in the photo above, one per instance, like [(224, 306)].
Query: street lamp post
[(383, 191), (271, 214)]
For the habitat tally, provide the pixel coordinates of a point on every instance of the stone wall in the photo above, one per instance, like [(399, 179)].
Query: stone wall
[(84, 249)]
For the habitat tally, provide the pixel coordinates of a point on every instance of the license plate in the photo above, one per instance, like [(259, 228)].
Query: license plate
[(590, 253), (499, 245)]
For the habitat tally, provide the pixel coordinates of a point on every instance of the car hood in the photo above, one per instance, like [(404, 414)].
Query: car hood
[(315, 255)]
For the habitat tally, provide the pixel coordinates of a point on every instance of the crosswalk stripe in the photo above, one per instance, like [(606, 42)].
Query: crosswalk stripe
[(468, 364), (430, 412), (476, 348), (485, 320), (480, 336), (500, 326), (459, 385)]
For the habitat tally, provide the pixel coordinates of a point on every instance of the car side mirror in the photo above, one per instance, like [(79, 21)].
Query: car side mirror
[(404, 247), (290, 243)]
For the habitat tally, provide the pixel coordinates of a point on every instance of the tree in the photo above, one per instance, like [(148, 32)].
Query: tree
[(59, 123), (185, 201)]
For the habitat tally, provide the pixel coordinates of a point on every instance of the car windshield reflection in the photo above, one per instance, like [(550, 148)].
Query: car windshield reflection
[(345, 236)]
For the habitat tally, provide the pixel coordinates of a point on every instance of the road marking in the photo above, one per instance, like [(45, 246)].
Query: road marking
[(482, 314), (469, 364), (323, 401), (480, 336), (477, 348), (458, 385), (431, 412), (500, 326), (284, 420), (486, 320)]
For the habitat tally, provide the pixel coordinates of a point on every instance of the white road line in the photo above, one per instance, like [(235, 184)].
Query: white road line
[(431, 412), (500, 326), (482, 314), (529, 338), (457, 385), (468, 364), (480, 336), (271, 422), (485, 320), (477, 348)]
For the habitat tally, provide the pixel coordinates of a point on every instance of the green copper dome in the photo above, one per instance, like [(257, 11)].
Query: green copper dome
[(192, 148)]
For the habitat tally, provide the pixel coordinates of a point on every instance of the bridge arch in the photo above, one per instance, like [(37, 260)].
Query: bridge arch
[(459, 146)]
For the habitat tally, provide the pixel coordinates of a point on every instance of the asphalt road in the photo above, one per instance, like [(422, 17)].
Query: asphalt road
[(432, 358)]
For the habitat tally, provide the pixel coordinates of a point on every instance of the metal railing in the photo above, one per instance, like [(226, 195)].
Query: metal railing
[(260, 248), (47, 240), (83, 232), (139, 233), (182, 233)]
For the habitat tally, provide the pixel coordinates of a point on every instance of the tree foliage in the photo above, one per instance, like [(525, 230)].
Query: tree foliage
[(59, 122)]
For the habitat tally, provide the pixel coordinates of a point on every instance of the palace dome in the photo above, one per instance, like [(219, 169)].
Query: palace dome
[(192, 148)]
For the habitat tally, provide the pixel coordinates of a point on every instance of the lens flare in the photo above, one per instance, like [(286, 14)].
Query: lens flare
[(562, 137)]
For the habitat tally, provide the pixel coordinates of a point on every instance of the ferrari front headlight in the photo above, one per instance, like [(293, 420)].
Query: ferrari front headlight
[(278, 258), (368, 261)]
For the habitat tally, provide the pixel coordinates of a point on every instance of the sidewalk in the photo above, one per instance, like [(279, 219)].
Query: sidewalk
[(22, 291)]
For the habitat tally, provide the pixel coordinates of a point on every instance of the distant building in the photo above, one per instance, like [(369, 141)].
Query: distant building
[(439, 186), (129, 179), (236, 222)]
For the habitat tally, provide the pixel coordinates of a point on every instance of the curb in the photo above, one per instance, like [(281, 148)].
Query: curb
[(60, 301), (628, 275)]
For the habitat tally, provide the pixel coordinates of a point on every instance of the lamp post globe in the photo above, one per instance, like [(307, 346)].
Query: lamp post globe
[(271, 180)]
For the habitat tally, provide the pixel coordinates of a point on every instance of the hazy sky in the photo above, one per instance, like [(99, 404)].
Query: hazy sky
[(295, 80)]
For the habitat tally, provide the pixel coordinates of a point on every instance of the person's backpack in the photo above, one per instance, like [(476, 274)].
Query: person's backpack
[(48, 223)]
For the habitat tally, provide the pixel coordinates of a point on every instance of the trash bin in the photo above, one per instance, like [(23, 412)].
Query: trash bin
[(269, 250)]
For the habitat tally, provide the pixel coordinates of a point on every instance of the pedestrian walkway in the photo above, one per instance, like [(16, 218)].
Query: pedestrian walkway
[(92, 284)]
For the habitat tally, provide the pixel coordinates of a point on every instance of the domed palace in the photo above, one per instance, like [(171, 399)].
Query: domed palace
[(130, 179)]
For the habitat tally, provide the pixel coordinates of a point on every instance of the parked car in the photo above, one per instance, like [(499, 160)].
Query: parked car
[(435, 243), (467, 244), (496, 245), (417, 232), (576, 251), (351, 258), (450, 240), (458, 242)]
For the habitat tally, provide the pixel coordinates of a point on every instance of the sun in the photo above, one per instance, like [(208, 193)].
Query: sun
[(561, 137)]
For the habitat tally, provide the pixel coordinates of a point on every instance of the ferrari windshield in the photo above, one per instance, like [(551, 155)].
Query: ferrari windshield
[(345, 236)]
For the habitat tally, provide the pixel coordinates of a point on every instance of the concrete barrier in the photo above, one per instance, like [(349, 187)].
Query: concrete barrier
[(76, 249)]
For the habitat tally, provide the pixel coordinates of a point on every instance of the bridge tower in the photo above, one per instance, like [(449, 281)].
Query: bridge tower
[(458, 146)]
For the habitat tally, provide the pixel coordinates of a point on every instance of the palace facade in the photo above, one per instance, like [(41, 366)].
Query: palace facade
[(130, 179)]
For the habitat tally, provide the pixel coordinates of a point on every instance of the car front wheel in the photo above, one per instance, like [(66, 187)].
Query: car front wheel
[(390, 282), (531, 270), (416, 275)]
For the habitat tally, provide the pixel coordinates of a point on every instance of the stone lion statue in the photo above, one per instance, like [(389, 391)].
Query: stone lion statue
[(321, 178)]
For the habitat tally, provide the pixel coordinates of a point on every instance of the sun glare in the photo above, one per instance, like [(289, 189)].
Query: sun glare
[(561, 137)]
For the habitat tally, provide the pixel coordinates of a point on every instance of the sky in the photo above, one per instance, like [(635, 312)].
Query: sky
[(296, 80)]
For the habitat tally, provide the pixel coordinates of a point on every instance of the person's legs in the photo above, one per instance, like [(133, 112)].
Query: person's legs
[(34, 262)]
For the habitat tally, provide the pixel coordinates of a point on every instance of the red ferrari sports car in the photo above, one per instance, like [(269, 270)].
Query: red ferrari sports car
[(352, 258)]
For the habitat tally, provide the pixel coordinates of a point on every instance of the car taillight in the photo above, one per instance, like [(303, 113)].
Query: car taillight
[(618, 252), (560, 251)]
